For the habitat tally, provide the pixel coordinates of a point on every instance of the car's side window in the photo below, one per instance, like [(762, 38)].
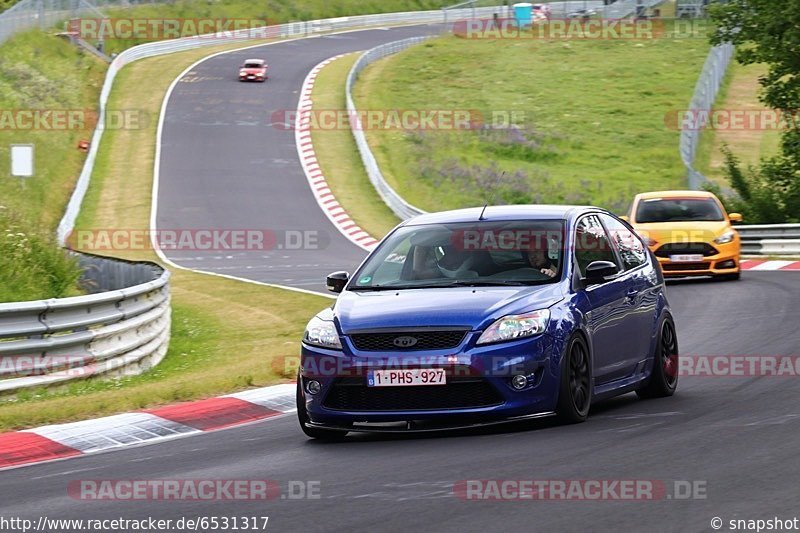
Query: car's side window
[(591, 243), (630, 247)]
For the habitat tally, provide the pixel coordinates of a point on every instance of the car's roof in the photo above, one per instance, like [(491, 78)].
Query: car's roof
[(675, 194), (501, 212), (253, 60)]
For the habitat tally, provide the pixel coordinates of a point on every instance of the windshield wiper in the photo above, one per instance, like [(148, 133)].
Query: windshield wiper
[(454, 283)]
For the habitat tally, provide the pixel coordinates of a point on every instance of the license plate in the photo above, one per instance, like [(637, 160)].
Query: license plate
[(686, 258), (406, 378)]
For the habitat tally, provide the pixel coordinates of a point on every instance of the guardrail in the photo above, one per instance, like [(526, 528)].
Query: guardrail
[(121, 328), (396, 203), (770, 239), (705, 94)]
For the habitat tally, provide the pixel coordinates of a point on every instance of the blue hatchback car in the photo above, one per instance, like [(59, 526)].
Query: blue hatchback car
[(479, 316)]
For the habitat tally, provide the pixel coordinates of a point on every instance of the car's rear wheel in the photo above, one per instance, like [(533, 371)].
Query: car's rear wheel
[(664, 378), (575, 392), (302, 417)]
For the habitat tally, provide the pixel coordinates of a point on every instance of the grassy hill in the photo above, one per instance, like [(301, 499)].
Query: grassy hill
[(587, 119), (40, 73)]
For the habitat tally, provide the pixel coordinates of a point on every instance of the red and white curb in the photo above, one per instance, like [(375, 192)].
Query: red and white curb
[(763, 264), (60, 441), (308, 159)]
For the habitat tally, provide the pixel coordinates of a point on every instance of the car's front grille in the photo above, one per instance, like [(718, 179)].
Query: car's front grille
[(686, 248), (408, 340), (682, 267), (353, 394)]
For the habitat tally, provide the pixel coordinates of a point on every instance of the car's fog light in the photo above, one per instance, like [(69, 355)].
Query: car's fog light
[(727, 264), (313, 387), (519, 382)]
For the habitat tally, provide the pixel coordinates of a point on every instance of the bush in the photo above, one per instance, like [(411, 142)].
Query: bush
[(32, 265), (767, 194)]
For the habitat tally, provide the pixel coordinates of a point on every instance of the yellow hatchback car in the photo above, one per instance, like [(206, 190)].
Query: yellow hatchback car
[(689, 232)]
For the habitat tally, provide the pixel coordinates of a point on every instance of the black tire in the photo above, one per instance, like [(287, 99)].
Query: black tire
[(314, 433), (729, 277), (664, 378), (575, 390)]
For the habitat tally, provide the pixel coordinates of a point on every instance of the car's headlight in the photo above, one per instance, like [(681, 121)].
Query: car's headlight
[(726, 237), (322, 333), (242, 72), (516, 327)]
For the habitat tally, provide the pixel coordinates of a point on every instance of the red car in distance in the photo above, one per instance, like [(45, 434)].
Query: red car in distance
[(253, 70)]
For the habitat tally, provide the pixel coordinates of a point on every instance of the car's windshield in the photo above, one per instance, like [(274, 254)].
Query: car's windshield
[(466, 254), (678, 210), (252, 65)]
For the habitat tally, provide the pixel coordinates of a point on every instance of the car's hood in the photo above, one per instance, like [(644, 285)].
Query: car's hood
[(253, 70), (475, 307), (697, 231)]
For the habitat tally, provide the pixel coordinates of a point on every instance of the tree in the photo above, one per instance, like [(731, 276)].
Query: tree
[(767, 31)]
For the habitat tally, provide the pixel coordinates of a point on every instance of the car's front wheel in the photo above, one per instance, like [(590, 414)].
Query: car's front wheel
[(664, 378), (575, 391), (302, 417)]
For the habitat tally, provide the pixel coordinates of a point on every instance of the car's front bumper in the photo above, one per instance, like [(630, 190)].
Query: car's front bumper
[(427, 426), (479, 381), (725, 261)]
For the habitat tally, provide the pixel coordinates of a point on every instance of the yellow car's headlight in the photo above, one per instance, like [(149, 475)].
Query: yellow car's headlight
[(726, 237)]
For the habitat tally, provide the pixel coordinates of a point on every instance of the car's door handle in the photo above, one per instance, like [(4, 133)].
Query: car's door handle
[(631, 294)]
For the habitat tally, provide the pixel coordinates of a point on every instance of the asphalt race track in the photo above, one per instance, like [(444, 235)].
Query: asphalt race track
[(738, 436), (227, 163), (734, 436)]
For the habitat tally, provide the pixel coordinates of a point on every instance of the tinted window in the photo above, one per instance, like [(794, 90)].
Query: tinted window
[(526, 252), (678, 210), (591, 243), (631, 249)]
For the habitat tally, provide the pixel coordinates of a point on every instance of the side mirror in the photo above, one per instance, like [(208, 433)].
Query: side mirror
[(735, 217), (598, 271), (337, 280)]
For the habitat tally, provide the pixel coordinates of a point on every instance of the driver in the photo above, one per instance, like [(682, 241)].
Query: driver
[(538, 259)]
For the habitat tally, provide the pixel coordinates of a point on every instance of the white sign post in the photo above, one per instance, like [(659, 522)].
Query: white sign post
[(22, 160)]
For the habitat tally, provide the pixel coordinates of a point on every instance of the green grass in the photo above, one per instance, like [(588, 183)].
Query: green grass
[(32, 266), (592, 128), (5, 4), (339, 158), (43, 72), (40, 73)]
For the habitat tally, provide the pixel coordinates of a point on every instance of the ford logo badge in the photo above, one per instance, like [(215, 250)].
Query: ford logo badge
[(404, 341)]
